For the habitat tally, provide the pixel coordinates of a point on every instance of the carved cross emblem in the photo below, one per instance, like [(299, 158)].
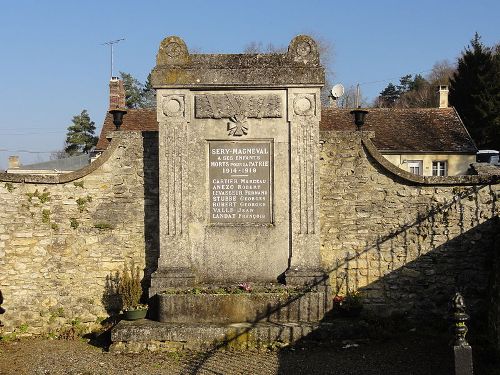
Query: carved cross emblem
[(238, 126)]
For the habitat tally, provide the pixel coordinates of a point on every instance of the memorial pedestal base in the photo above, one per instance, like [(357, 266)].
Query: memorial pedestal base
[(306, 277), (165, 278)]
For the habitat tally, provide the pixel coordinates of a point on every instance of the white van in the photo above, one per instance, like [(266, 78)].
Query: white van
[(488, 156)]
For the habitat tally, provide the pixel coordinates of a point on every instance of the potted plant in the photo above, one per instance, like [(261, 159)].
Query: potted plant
[(349, 305), (130, 291)]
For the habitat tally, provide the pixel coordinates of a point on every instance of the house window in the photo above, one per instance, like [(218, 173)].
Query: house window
[(439, 168), (415, 166)]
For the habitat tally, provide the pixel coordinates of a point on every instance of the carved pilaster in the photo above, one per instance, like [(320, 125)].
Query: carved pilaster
[(173, 117), (304, 134), (174, 265)]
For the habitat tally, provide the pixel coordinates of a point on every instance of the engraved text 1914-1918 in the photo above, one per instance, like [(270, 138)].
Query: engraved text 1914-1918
[(240, 182)]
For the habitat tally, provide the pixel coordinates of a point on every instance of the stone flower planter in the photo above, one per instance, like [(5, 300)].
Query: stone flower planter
[(245, 307)]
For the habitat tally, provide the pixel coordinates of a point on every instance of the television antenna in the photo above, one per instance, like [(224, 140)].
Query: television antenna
[(111, 43)]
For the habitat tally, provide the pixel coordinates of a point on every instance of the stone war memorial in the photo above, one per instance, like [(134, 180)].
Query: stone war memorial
[(247, 214), (238, 155), (238, 188)]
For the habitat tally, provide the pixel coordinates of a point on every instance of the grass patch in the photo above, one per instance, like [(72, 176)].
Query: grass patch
[(82, 201), (42, 197), (9, 186), (45, 216), (73, 222)]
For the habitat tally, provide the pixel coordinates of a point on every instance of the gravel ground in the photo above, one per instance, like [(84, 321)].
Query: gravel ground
[(410, 354)]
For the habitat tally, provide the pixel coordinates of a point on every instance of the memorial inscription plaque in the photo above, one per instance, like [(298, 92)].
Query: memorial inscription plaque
[(240, 182)]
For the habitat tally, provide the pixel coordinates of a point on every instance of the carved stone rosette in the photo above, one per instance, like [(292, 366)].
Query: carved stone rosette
[(304, 104), (174, 106)]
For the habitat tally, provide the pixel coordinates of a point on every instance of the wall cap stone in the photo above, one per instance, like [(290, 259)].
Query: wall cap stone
[(119, 139), (365, 138)]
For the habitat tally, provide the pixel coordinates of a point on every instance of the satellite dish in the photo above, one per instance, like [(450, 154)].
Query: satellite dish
[(337, 91)]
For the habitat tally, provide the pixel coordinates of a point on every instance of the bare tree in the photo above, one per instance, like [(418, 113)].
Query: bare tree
[(348, 100), (441, 73), (325, 49), (61, 154), (258, 47)]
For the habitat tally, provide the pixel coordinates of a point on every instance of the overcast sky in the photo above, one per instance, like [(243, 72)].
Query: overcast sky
[(53, 63)]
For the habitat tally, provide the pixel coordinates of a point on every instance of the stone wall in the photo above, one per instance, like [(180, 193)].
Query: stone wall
[(61, 243), (405, 242)]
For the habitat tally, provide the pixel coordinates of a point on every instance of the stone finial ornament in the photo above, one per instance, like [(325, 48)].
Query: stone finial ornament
[(172, 51), (304, 49), (177, 68)]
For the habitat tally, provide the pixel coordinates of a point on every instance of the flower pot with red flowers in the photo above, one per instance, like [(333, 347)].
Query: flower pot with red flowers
[(349, 305)]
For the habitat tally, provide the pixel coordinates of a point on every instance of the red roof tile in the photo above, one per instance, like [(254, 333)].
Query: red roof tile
[(396, 129), (407, 129), (143, 119)]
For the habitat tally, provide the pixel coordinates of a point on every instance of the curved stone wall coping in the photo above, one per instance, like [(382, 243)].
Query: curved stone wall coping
[(480, 179), (119, 138)]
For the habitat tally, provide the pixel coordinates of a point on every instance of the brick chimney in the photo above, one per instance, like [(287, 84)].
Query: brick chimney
[(443, 96), (14, 162), (116, 93)]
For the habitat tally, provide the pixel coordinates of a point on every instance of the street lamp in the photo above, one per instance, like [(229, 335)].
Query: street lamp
[(359, 117), (118, 116)]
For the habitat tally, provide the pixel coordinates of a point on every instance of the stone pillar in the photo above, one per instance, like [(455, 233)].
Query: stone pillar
[(304, 116), (174, 266)]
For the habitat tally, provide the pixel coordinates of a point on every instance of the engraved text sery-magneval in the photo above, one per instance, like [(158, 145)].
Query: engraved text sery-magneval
[(240, 182)]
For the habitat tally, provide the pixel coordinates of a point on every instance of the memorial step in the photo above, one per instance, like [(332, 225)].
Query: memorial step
[(149, 335)]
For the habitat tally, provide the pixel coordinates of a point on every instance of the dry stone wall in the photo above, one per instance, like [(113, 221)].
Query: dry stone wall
[(61, 244), (406, 243)]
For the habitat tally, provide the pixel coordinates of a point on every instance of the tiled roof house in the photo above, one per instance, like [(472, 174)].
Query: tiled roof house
[(425, 141)]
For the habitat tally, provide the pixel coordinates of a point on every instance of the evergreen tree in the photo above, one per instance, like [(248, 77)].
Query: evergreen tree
[(133, 90), (389, 96), (80, 136), (148, 94), (406, 83), (416, 91), (474, 92), (137, 94)]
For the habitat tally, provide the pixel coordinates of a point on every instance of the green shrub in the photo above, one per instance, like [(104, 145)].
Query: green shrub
[(9, 186), (45, 216), (73, 223), (129, 287)]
